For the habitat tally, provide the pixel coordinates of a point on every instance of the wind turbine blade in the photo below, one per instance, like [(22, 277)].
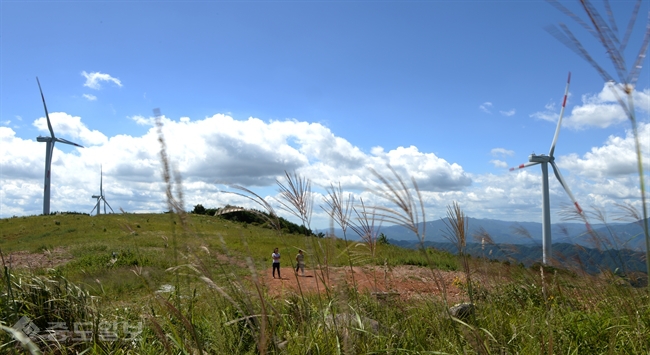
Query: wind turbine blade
[(101, 179), (525, 165), (52, 150), (65, 141), (559, 177), (47, 116), (559, 121), (106, 204), (91, 212)]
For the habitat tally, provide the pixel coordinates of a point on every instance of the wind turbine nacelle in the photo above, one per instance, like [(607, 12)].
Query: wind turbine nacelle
[(95, 196), (533, 158), (43, 139)]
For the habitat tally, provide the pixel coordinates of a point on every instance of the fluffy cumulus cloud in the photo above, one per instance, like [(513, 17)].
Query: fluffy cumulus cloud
[(94, 79), (210, 154), (216, 152), (431, 172), (597, 110), (615, 158), (70, 128)]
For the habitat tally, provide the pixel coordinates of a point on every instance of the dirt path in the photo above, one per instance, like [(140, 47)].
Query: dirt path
[(24, 259), (405, 282)]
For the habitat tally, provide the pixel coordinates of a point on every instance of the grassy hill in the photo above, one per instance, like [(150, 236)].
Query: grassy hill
[(191, 284)]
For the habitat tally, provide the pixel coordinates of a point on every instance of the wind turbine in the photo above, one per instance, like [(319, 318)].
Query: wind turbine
[(544, 160), (49, 149), (101, 197)]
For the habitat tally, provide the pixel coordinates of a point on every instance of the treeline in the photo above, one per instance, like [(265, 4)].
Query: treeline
[(254, 217)]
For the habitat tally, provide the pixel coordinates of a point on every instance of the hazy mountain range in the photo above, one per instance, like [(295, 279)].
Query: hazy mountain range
[(609, 246), (604, 236)]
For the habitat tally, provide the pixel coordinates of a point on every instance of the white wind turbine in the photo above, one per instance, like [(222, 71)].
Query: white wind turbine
[(544, 160), (101, 196), (49, 149)]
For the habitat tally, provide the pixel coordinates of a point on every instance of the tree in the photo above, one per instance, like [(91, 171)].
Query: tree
[(382, 239), (199, 209)]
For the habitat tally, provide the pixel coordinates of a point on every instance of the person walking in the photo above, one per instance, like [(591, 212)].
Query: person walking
[(300, 262), (276, 262)]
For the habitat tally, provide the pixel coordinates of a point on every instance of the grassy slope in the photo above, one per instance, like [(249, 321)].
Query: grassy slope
[(522, 313), (157, 242)]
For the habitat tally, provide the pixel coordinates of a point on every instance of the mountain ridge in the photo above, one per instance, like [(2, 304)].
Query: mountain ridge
[(604, 235)]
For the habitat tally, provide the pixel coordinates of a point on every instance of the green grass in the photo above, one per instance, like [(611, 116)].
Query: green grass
[(216, 305)]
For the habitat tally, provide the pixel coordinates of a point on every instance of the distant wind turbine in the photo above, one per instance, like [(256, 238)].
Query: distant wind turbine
[(49, 149), (543, 159), (101, 196)]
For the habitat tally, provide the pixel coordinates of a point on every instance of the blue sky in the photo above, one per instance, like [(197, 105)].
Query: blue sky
[(451, 92)]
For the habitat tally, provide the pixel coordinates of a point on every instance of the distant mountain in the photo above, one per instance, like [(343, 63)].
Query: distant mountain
[(607, 236)]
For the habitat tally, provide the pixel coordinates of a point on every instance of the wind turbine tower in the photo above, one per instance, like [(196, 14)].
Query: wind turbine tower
[(101, 196), (49, 149), (545, 160)]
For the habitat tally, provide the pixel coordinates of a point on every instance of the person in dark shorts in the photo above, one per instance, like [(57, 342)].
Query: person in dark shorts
[(276, 262)]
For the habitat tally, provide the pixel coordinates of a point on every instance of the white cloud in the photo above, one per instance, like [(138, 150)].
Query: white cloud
[(485, 107), (254, 153), (502, 152), (615, 158), (217, 149), (499, 163), (71, 128), (547, 115), (143, 121), (599, 110), (90, 97), (508, 113), (93, 79)]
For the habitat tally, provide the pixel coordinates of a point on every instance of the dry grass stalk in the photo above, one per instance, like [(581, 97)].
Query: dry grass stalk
[(296, 197), (607, 34), (408, 212), (365, 226), (340, 208), (457, 227)]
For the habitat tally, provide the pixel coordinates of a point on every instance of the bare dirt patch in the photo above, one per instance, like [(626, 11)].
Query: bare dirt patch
[(405, 282), (45, 259)]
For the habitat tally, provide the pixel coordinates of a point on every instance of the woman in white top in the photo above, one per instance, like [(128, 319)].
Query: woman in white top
[(276, 262)]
